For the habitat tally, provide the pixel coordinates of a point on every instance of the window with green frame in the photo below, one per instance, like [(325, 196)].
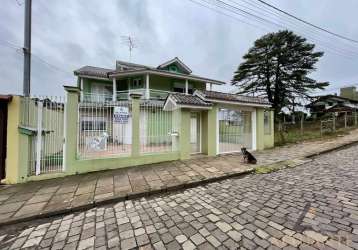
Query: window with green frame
[(267, 122), (173, 68)]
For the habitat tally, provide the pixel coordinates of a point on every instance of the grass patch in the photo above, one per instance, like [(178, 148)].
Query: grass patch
[(266, 169), (295, 135), (270, 168)]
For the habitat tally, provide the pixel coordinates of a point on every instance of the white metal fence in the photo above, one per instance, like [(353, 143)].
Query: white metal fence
[(104, 129), (42, 118), (234, 130), (156, 127)]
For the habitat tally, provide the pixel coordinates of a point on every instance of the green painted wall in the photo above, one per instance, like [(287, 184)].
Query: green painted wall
[(204, 132), (87, 84), (184, 134), (269, 137), (260, 136), (212, 131), (18, 144)]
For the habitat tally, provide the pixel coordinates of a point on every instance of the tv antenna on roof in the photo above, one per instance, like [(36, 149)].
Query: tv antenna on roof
[(131, 43)]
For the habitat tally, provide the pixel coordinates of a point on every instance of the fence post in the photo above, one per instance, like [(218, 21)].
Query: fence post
[(302, 119), (135, 124), (184, 134), (334, 122), (345, 120), (39, 138), (355, 118), (70, 128), (321, 128)]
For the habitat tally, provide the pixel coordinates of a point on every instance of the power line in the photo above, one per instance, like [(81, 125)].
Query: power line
[(312, 36), (299, 25), (231, 10), (225, 14), (308, 23), (19, 49), (264, 21), (276, 24)]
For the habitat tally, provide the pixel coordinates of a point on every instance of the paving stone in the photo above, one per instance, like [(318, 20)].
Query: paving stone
[(213, 217), (181, 238), (235, 235), (87, 243), (303, 238), (262, 243), (277, 242), (188, 245), (315, 236), (128, 244), (213, 241), (32, 242), (159, 245), (197, 239), (290, 240), (223, 226), (262, 234), (337, 245)]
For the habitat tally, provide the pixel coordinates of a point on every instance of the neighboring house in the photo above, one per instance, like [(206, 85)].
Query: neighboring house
[(350, 93), (173, 86), (326, 104)]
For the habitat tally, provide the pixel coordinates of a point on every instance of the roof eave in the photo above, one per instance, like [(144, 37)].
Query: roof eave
[(92, 77), (176, 59), (194, 106), (249, 104), (154, 72)]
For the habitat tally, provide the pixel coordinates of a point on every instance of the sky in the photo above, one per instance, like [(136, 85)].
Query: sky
[(68, 34)]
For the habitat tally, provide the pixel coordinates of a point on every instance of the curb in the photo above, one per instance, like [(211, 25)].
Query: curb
[(130, 196), (340, 147)]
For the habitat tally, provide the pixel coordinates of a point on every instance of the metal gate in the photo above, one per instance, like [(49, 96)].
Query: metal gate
[(43, 118), (235, 130)]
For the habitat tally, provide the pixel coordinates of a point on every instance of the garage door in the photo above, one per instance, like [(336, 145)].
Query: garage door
[(235, 130)]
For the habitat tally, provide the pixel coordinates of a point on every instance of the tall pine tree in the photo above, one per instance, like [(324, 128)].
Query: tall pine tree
[(277, 67)]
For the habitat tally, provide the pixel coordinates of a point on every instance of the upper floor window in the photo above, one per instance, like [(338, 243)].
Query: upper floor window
[(136, 83), (180, 88), (267, 122), (101, 92), (173, 68)]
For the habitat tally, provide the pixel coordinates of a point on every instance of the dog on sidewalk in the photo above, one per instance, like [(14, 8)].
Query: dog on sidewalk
[(248, 157)]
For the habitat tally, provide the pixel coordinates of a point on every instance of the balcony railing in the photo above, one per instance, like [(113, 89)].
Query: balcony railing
[(94, 97), (125, 95)]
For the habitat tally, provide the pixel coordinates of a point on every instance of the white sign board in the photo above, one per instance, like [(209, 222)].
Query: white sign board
[(121, 115)]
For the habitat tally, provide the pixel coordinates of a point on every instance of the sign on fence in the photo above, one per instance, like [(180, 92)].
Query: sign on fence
[(121, 115)]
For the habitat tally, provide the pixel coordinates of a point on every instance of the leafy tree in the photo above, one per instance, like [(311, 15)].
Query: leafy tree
[(277, 67)]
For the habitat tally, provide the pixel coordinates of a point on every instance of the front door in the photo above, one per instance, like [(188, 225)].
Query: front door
[(195, 133), (3, 129)]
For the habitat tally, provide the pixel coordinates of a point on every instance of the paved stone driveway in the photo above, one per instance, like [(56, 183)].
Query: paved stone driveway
[(312, 206), (26, 200)]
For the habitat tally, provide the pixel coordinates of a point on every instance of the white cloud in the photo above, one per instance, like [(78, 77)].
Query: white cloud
[(70, 34)]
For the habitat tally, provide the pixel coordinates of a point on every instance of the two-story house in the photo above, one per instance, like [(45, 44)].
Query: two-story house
[(239, 120)]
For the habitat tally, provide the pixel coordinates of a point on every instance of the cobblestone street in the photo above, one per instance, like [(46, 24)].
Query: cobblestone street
[(312, 206)]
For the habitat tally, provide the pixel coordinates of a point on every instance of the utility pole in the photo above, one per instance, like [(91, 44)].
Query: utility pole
[(27, 48)]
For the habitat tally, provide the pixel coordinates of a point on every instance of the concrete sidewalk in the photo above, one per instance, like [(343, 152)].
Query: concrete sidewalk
[(44, 198)]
